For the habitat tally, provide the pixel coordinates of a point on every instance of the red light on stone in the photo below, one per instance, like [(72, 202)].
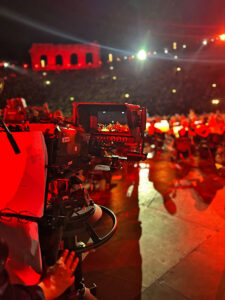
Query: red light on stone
[(72, 56)]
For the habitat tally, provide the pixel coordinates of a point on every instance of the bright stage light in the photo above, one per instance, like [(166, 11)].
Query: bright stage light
[(184, 46), (142, 55), (163, 125), (222, 37), (110, 57), (204, 42), (47, 82), (5, 64), (215, 101), (43, 63), (174, 91), (214, 85), (166, 51), (178, 69), (127, 95)]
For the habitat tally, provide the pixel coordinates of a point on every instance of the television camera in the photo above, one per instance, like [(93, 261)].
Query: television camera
[(45, 157)]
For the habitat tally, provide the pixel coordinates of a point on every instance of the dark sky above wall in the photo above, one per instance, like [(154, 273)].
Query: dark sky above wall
[(122, 24)]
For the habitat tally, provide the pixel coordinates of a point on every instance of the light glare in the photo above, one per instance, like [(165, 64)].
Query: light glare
[(110, 57), (215, 101), (142, 55), (222, 37)]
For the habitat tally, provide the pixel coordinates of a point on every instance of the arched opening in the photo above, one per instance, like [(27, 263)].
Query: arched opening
[(89, 58), (43, 61), (74, 59), (59, 60)]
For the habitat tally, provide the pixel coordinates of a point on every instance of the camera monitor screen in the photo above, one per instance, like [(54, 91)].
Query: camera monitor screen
[(112, 121), (103, 118)]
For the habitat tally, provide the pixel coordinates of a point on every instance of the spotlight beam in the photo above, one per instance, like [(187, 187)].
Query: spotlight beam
[(34, 24)]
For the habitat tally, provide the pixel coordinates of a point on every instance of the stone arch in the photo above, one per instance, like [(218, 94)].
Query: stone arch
[(89, 58), (73, 59), (59, 60), (74, 56)]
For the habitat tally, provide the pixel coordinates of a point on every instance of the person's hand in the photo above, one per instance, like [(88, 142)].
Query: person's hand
[(60, 276)]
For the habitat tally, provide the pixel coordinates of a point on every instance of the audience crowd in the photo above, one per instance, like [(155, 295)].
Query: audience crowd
[(164, 87)]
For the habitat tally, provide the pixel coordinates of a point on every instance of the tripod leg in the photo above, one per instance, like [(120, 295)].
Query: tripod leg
[(79, 285)]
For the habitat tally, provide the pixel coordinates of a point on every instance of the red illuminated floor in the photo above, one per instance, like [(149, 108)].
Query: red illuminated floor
[(170, 241)]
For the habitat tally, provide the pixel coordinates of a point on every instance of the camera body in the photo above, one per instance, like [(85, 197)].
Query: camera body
[(48, 190), (114, 128)]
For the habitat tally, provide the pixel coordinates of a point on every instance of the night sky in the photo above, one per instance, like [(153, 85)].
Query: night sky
[(125, 25)]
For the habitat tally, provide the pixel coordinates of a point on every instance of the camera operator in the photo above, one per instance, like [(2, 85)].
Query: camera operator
[(59, 278)]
